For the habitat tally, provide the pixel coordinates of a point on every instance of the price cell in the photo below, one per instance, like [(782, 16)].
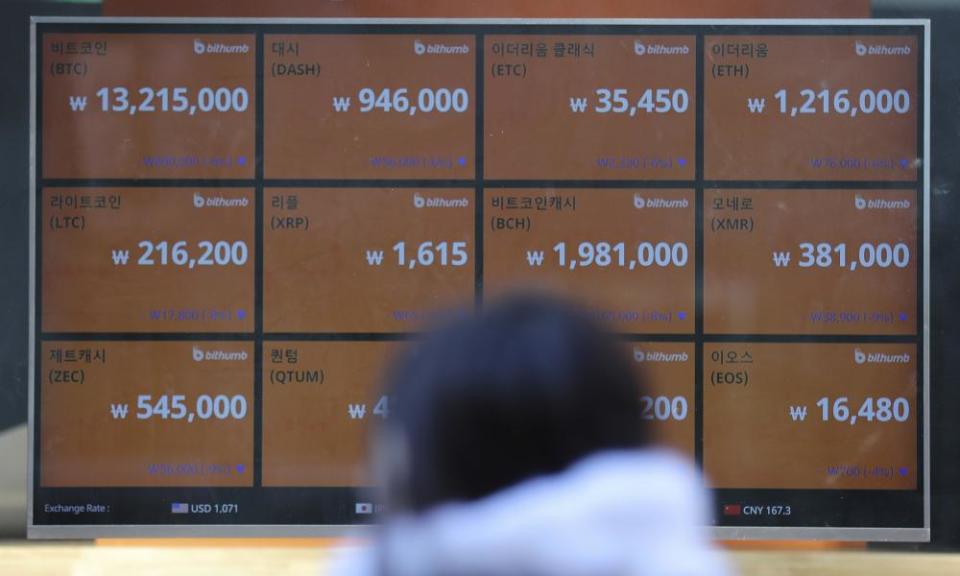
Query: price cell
[(147, 259), (845, 417), (667, 404), (369, 106), (810, 261), (627, 254), (146, 414), (319, 401), (811, 108), (149, 106), (589, 107), (365, 260)]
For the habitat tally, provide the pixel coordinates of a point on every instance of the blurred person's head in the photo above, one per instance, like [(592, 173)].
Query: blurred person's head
[(512, 447), (526, 388)]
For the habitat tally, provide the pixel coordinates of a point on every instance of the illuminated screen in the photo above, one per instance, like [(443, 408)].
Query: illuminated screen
[(237, 224)]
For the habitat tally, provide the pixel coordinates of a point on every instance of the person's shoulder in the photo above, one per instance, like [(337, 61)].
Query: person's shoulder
[(640, 512), (353, 559)]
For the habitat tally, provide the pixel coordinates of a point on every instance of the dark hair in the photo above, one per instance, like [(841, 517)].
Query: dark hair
[(525, 388)]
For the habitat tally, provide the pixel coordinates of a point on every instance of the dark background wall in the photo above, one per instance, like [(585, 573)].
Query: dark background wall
[(14, 209), (945, 255), (14, 133), (14, 204)]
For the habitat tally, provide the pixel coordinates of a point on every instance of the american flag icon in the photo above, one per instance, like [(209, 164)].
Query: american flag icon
[(179, 508)]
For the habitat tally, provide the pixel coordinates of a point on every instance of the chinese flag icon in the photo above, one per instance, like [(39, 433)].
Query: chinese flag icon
[(732, 509)]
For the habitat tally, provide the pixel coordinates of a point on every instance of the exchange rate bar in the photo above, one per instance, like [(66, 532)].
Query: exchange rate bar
[(811, 108), (147, 259), (810, 262), (627, 254), (146, 413), (845, 418), (589, 107), (148, 106), (369, 107)]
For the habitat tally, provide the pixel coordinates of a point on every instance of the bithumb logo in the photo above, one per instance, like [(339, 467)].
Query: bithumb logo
[(201, 201), (657, 356), (639, 202), (199, 355), (421, 202), (200, 48), (419, 48), (862, 203), (881, 49), (861, 357), (640, 49)]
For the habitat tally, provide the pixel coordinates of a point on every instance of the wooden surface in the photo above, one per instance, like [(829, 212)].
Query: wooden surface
[(262, 558)]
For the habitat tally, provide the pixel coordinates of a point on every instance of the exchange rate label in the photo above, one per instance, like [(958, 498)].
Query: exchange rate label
[(369, 106), (365, 260), (667, 403), (319, 401), (810, 261), (627, 254), (589, 107), (146, 414), (811, 107), (147, 260), (148, 105), (845, 418)]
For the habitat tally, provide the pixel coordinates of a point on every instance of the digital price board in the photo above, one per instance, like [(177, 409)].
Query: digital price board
[(236, 224)]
